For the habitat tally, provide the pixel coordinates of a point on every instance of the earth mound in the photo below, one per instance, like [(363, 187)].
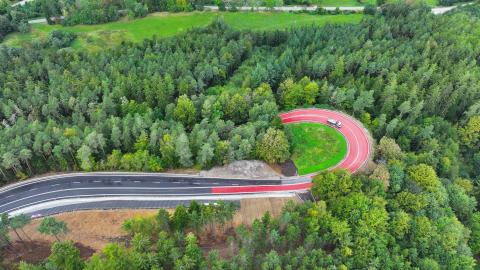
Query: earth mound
[(243, 169)]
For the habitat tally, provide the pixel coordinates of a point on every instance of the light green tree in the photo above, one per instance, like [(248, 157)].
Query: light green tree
[(65, 256), (424, 176), (18, 222), (52, 226), (185, 111), (273, 147)]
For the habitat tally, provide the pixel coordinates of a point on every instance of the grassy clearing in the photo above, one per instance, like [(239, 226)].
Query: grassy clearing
[(432, 3), (100, 36), (316, 147)]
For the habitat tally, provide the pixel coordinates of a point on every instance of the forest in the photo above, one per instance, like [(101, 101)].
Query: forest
[(211, 96)]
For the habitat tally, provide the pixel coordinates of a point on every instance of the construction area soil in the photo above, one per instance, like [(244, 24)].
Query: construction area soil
[(289, 168), (92, 230), (36, 251), (251, 169)]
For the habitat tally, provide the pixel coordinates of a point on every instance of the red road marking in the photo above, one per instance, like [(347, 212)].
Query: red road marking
[(357, 139), (357, 151), (255, 189)]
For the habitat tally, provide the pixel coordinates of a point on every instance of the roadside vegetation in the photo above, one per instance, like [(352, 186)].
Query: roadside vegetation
[(341, 3), (352, 224), (93, 12), (97, 37), (315, 147), (212, 95)]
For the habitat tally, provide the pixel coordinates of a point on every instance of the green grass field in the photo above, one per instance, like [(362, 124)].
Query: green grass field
[(343, 3), (163, 25), (316, 147)]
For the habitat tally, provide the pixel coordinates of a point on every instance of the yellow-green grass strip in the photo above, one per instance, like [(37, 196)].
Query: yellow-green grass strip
[(94, 37)]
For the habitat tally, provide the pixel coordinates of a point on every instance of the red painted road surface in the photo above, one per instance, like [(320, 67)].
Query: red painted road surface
[(357, 138), (357, 152), (257, 189)]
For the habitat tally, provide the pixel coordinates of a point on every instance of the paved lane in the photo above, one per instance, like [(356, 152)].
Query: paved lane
[(99, 187), (357, 138)]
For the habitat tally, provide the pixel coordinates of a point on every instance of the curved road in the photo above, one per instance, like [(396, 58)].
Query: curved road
[(357, 137), (39, 195), (68, 192)]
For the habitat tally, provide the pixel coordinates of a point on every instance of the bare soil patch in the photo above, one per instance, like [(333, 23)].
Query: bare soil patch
[(92, 230), (191, 171), (243, 169), (35, 252), (251, 209), (289, 168), (220, 242)]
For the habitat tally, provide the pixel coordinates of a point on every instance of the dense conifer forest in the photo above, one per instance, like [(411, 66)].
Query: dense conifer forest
[(211, 96)]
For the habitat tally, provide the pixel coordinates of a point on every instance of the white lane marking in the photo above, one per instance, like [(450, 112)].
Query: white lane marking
[(76, 182), (32, 189), (141, 197), (130, 188), (9, 196), (317, 113), (97, 181), (156, 182), (136, 181), (167, 195), (100, 174), (96, 188), (55, 185)]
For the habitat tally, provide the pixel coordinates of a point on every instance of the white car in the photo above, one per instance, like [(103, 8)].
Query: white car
[(334, 123)]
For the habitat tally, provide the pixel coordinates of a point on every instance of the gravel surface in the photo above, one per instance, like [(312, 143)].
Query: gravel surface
[(250, 169)]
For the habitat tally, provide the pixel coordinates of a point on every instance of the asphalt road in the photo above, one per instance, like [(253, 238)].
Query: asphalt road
[(77, 191), (357, 137), (435, 10), (81, 188)]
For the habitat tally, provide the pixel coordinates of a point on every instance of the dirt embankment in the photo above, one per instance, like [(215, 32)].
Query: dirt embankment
[(249, 169), (92, 230)]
